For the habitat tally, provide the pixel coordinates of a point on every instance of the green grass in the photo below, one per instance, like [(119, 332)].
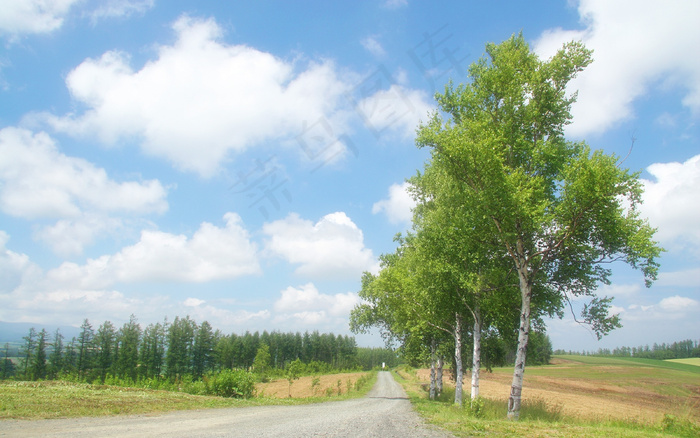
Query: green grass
[(540, 419), (59, 399)]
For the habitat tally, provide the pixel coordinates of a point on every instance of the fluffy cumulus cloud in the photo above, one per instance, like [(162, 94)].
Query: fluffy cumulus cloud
[(15, 268), (637, 45), (20, 17), (200, 99), (678, 304), (212, 253), (37, 181), (222, 317), (395, 109), (332, 248), (307, 306), (398, 206), (671, 202)]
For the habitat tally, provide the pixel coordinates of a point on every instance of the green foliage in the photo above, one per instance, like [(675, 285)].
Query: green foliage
[(679, 426), (315, 381), (293, 372), (539, 349), (38, 371), (182, 352), (476, 407), (261, 364), (505, 184), (230, 383), (203, 350), (373, 358)]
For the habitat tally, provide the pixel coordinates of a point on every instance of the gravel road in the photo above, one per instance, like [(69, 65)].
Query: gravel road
[(385, 412)]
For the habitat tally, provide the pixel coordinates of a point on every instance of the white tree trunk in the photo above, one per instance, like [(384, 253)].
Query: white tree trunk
[(432, 370), (523, 335), (476, 359), (438, 379), (459, 373)]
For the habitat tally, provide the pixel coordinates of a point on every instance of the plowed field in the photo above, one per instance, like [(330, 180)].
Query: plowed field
[(598, 391)]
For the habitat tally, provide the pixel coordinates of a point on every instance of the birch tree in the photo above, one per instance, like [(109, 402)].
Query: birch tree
[(557, 210)]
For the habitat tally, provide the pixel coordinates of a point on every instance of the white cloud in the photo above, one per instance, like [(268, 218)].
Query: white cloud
[(637, 44), (201, 99), (121, 8), (685, 278), (615, 310), (395, 4), (221, 317), (308, 306), (398, 206), (618, 290), (39, 182), (70, 236), (372, 46), (211, 253), (193, 302), (678, 304), (307, 298), (671, 202), (62, 296), (15, 268), (331, 248), (19, 17), (397, 109)]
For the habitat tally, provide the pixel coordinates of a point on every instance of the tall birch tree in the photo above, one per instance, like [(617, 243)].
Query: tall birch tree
[(559, 211)]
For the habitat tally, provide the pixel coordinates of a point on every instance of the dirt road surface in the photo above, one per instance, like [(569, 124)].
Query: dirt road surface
[(385, 412)]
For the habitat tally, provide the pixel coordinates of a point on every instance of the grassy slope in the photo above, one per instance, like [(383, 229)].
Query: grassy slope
[(695, 361), (672, 383)]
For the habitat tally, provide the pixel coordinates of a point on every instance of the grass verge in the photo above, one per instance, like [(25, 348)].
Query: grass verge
[(58, 399)]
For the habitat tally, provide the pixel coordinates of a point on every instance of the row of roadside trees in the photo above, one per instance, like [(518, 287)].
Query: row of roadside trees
[(171, 350), (512, 221)]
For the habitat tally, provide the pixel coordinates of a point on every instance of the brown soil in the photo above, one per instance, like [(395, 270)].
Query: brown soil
[(301, 388), (583, 398)]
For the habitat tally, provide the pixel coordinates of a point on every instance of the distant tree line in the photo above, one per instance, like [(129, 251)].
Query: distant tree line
[(175, 350), (677, 350)]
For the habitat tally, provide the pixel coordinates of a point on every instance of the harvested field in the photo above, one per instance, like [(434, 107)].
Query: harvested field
[(603, 392), (301, 388)]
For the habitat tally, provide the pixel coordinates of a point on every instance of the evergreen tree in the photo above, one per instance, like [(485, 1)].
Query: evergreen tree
[(180, 346), (28, 350), (7, 367), (38, 371), (152, 352), (203, 350), (56, 357), (86, 349), (128, 340), (105, 345)]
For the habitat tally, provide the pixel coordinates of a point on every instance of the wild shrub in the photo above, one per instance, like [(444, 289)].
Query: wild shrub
[(231, 383), (477, 407), (315, 381)]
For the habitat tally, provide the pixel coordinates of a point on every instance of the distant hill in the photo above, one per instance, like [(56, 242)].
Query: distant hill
[(13, 332)]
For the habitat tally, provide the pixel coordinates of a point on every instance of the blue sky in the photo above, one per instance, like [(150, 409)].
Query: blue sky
[(244, 162)]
